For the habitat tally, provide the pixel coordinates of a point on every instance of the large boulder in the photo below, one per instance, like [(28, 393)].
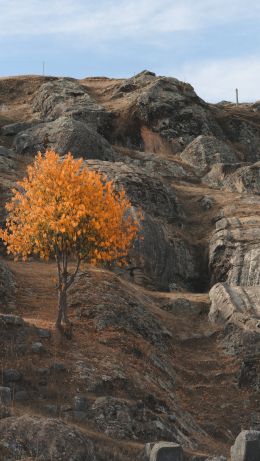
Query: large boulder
[(44, 438), (205, 151), (246, 447), (66, 97), (64, 135)]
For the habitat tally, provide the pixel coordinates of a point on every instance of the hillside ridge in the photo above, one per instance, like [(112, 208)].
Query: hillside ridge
[(167, 347)]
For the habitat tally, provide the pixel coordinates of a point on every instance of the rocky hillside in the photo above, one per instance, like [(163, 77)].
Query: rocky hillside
[(166, 348)]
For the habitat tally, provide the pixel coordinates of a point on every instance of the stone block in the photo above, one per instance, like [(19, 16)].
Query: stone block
[(164, 451), (246, 447)]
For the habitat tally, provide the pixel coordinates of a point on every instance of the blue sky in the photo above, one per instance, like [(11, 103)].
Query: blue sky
[(212, 44)]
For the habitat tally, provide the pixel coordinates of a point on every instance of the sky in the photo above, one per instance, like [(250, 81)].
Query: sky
[(212, 44)]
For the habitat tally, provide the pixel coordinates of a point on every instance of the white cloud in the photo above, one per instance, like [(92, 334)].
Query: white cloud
[(217, 80), (114, 18)]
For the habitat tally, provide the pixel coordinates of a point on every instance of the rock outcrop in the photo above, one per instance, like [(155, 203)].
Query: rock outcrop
[(243, 133), (205, 151), (163, 114), (235, 304), (44, 438), (220, 173), (67, 98), (234, 247), (160, 258), (244, 179), (64, 135)]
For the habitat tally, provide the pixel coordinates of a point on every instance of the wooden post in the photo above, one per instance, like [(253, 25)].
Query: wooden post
[(43, 68), (236, 96)]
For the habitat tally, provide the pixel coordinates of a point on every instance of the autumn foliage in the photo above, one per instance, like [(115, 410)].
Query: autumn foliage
[(66, 211)]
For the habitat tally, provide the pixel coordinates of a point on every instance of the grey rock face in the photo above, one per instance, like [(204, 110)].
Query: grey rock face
[(165, 260), (234, 255), (46, 438), (238, 305), (148, 192), (246, 447), (65, 97), (160, 259), (237, 308), (205, 151), (172, 107), (155, 164), (64, 135)]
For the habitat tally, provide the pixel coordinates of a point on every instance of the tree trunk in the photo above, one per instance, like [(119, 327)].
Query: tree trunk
[(64, 282), (62, 307)]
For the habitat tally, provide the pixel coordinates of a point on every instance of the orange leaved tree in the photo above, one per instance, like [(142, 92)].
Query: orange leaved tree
[(66, 211)]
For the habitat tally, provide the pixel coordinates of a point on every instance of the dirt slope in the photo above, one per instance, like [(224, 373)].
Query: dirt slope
[(206, 384)]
